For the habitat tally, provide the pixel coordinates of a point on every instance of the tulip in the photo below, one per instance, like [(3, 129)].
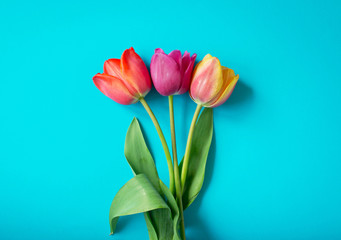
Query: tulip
[(127, 81), (212, 84), (124, 80), (171, 74)]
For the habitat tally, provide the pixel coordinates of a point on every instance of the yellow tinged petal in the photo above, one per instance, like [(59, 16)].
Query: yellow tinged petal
[(230, 81), (207, 57)]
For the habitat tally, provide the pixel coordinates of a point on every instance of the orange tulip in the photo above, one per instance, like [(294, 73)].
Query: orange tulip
[(212, 84)]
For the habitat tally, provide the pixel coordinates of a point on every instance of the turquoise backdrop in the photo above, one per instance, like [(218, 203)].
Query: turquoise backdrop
[(274, 169)]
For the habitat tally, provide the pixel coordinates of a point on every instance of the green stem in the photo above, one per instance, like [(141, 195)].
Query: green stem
[(188, 146), (164, 143), (176, 168)]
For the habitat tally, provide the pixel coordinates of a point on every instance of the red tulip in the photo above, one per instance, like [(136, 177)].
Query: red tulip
[(124, 80)]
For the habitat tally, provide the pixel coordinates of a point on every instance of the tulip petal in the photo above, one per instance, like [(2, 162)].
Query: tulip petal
[(165, 74), (185, 61), (135, 73), (176, 55), (187, 69), (207, 57), (230, 81), (207, 80), (113, 67), (159, 50), (114, 88)]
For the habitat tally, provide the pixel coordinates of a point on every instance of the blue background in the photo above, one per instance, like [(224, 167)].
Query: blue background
[(274, 169)]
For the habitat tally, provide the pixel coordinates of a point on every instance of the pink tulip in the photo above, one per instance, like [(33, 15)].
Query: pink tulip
[(212, 84), (171, 74), (124, 80)]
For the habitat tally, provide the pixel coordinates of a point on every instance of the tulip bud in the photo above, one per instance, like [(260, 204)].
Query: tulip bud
[(212, 84), (124, 80), (171, 74)]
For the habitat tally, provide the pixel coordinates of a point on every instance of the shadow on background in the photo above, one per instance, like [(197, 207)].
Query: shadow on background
[(154, 96), (240, 94), (122, 223), (239, 103)]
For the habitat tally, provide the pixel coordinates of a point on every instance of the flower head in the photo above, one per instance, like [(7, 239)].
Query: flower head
[(212, 84), (171, 74), (124, 80)]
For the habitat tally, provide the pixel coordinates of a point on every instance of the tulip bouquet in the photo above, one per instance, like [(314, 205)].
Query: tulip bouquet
[(127, 81)]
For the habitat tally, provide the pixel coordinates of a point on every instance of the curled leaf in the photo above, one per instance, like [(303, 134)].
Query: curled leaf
[(137, 196)]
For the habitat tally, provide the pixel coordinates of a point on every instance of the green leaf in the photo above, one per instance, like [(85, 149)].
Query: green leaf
[(161, 225), (201, 142), (138, 155), (150, 227), (159, 221), (174, 208), (136, 196)]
